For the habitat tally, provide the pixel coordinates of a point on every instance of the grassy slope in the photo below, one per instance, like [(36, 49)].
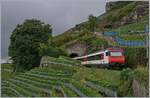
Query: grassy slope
[(95, 74), (6, 71), (117, 13)]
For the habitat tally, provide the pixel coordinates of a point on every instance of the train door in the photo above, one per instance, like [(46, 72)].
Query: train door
[(106, 57)]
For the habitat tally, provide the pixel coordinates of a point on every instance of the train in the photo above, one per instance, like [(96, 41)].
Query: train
[(109, 57)]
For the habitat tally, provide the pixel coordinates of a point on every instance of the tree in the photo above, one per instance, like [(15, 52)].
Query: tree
[(25, 42), (92, 22)]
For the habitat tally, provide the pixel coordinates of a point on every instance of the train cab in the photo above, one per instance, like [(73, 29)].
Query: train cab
[(115, 56)]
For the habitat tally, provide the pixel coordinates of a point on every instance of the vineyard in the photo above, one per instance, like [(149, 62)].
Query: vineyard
[(60, 81)]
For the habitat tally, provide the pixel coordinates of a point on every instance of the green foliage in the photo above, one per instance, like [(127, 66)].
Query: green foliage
[(133, 38), (92, 22), (106, 84), (64, 60), (68, 59), (135, 56), (82, 26), (120, 4), (46, 78), (6, 74), (6, 71), (125, 89), (6, 66), (141, 74), (67, 37), (116, 14), (69, 92), (86, 90), (95, 44), (25, 42), (125, 29), (50, 51), (125, 74)]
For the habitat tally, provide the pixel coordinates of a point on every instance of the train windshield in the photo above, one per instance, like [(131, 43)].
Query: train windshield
[(115, 53)]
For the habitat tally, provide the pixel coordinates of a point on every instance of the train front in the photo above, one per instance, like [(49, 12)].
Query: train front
[(116, 57)]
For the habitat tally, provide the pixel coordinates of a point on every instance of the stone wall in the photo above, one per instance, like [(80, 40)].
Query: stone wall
[(138, 89), (77, 48)]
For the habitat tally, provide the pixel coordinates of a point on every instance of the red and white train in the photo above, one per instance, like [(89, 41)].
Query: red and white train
[(108, 57)]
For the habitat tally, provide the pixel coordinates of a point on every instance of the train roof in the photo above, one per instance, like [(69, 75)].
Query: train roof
[(115, 49), (92, 54)]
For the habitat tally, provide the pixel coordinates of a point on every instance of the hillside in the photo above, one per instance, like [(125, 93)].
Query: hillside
[(121, 18), (63, 80), (127, 19)]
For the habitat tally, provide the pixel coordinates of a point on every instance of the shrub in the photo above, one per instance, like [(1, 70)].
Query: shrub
[(125, 74), (135, 56)]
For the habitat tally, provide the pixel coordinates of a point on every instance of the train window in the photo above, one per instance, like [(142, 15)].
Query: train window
[(97, 57), (106, 53), (85, 59), (92, 58), (115, 53), (101, 56)]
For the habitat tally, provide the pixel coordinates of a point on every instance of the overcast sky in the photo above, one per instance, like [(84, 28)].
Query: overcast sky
[(61, 14)]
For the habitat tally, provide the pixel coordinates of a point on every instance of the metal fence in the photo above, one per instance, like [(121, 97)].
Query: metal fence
[(122, 42)]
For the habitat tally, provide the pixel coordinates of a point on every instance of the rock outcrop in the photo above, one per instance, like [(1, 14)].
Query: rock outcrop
[(136, 14), (138, 11)]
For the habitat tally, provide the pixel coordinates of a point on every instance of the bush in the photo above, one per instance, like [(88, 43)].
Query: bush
[(135, 56), (51, 51), (125, 88), (125, 74), (142, 75)]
